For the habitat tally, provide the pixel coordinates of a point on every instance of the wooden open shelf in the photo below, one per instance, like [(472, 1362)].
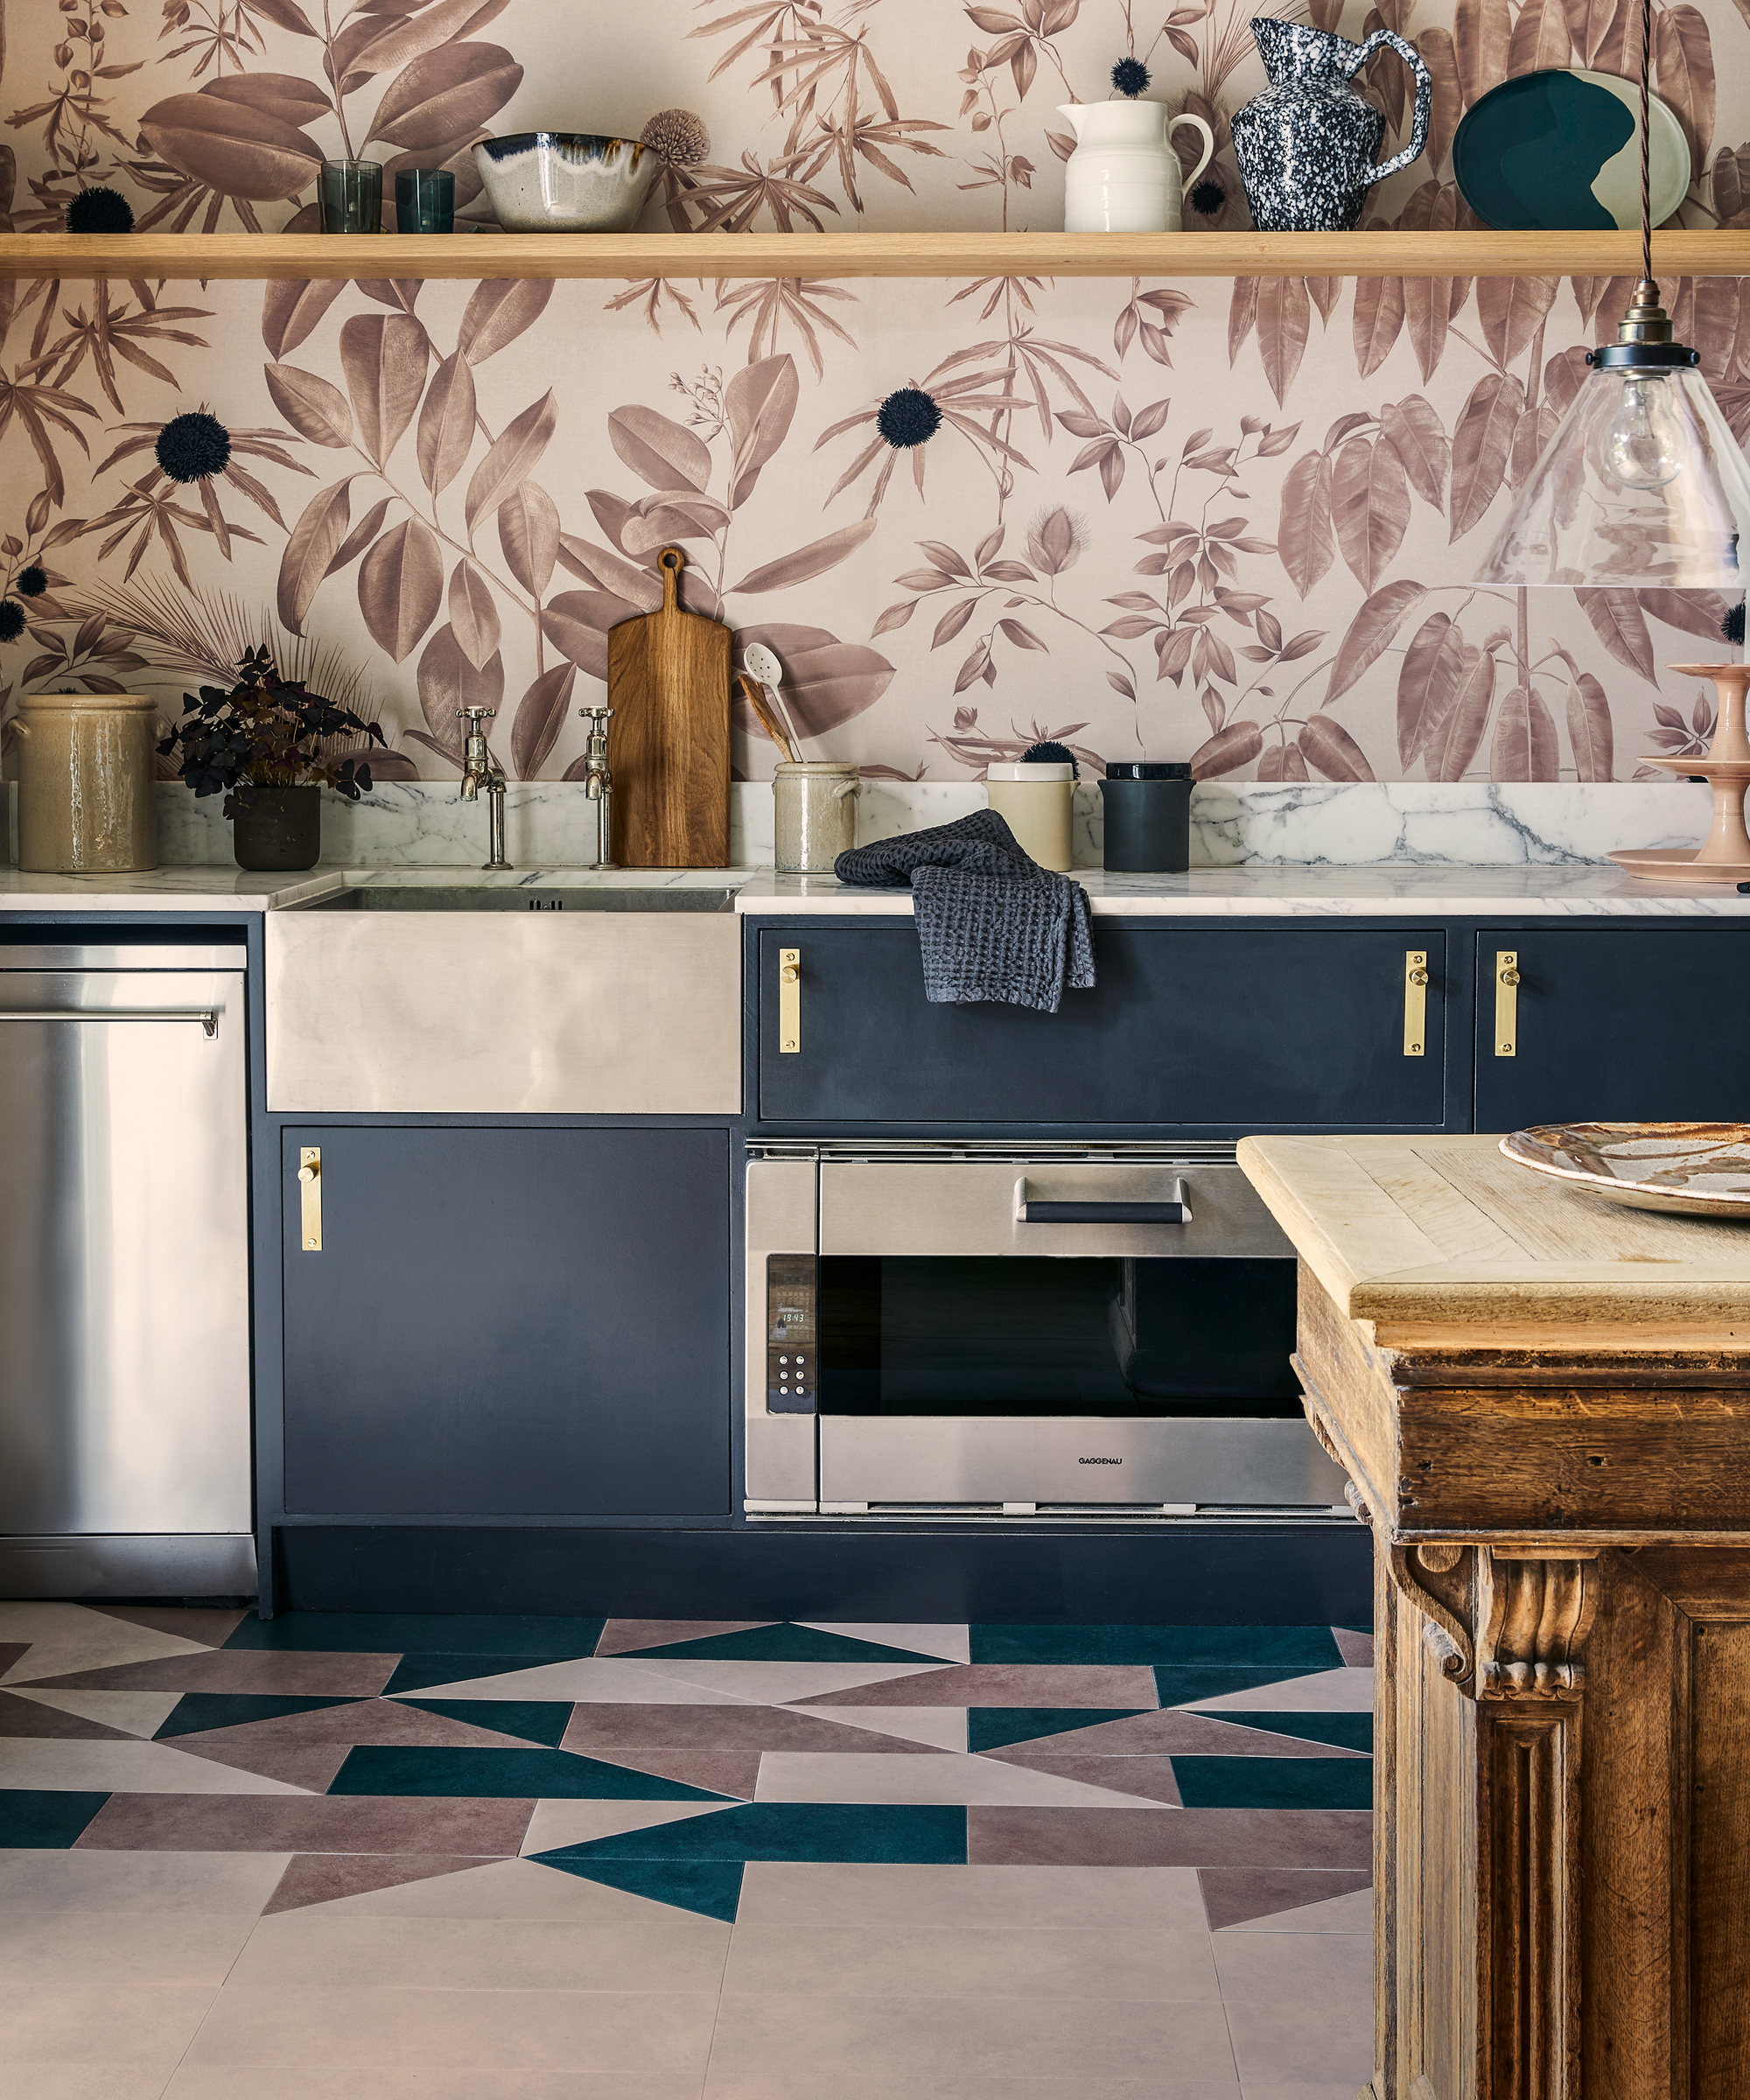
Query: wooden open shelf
[(853, 254)]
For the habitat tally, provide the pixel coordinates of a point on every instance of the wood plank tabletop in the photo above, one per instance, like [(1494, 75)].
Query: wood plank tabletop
[(1444, 1232)]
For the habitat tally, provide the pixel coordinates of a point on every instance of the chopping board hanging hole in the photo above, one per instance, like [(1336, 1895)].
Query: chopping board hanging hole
[(668, 682)]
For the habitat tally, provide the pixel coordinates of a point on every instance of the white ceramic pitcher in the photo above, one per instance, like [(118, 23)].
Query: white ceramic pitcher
[(1123, 176)]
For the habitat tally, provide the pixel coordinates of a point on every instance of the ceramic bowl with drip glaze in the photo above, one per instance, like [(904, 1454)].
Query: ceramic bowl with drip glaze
[(566, 182)]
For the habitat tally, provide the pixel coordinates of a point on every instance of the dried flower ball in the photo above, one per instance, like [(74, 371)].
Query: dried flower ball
[(1732, 626), (12, 620), (100, 211), (31, 582), (1051, 754), (908, 418), (1131, 76), (193, 447), (679, 136), (1207, 197)]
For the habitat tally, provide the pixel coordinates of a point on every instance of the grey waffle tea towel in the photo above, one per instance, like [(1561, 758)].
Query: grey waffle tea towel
[(992, 922)]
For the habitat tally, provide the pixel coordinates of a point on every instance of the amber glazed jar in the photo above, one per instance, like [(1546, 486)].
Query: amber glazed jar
[(85, 773)]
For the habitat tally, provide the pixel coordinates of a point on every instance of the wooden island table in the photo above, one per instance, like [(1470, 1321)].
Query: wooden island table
[(1541, 1399)]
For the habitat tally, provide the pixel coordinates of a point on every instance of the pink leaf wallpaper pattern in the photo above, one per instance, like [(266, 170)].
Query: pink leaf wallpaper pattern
[(1232, 521)]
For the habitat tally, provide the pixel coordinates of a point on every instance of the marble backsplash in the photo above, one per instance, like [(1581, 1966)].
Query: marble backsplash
[(550, 824)]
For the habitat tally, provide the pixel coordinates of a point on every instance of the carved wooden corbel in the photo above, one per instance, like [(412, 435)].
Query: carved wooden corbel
[(1435, 1578), (1503, 1623)]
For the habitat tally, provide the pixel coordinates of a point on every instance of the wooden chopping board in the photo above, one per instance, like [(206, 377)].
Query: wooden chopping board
[(668, 682)]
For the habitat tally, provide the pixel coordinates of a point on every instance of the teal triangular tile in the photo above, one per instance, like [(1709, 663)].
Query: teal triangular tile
[(1346, 1730), (542, 1721), (1274, 1783), (782, 1829), (995, 1728), (1188, 1684), (44, 1819), (531, 1774), (712, 1887), (783, 1644), (198, 1711), (529, 1636), (451, 1666), (1290, 1650)]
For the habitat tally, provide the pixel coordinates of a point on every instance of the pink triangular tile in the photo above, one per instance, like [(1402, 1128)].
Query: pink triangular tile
[(324, 1876), (560, 1823), (732, 1771), (952, 1644), (623, 1637), (213, 1628), (1147, 1778), (1356, 1650), (939, 1727), (313, 1766)]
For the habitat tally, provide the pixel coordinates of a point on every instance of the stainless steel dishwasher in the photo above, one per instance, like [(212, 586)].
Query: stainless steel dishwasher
[(124, 1285)]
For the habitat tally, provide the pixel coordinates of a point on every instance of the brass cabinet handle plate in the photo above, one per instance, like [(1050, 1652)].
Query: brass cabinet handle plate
[(789, 1000), (1414, 1001), (1507, 1003), (310, 1190)]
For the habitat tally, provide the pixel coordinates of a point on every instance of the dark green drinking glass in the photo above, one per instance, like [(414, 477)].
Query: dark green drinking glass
[(352, 196), (425, 201)]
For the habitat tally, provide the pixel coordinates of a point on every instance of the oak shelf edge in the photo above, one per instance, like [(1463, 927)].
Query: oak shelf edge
[(633, 257)]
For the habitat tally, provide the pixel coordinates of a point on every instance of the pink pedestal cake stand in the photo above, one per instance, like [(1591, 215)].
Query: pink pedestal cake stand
[(1724, 855)]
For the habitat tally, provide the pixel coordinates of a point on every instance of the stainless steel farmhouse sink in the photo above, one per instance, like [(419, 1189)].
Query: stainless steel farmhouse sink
[(412, 897)]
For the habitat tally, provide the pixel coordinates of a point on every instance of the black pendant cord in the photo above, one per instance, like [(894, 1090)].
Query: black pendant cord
[(1646, 143)]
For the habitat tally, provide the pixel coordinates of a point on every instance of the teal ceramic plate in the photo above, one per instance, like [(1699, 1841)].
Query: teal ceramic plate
[(1556, 150)]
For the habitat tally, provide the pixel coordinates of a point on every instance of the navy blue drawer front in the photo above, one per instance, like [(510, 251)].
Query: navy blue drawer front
[(1241, 1029), (509, 1322), (1637, 1024)]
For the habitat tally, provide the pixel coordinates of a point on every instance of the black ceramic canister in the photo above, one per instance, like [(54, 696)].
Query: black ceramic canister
[(1148, 818)]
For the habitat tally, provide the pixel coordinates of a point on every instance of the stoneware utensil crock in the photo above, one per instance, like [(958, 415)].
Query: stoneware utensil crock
[(1123, 176), (86, 768), (814, 813), (566, 182), (1305, 146)]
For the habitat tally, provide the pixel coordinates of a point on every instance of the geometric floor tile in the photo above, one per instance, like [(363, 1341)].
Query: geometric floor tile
[(915, 1835), (628, 1637), (1332, 1691), (201, 1710), (709, 1887), (23, 1716), (530, 1775), (1230, 1837), (223, 1670), (767, 1683), (1285, 1650), (1118, 1687), (402, 1632), (1231, 1896), (1335, 1731), (590, 1677), (530, 1720), (1148, 1778), (448, 1671), (311, 1768), (991, 1727), (951, 1643), (1274, 1783), (1354, 1646), (321, 1877), (561, 1823), (139, 1714), (1209, 1684), (126, 1766), (622, 1729), (1173, 1732), (734, 1773), (786, 1775), (64, 1637), (781, 1644), (1350, 1913), (305, 1822), (937, 1728), (32, 1821), (212, 1626)]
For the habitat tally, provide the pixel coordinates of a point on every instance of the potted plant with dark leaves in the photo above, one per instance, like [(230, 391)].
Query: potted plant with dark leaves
[(263, 746)]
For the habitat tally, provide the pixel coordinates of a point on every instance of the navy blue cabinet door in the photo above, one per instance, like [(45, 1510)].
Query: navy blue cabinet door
[(1637, 1024), (1240, 1028), (509, 1322)]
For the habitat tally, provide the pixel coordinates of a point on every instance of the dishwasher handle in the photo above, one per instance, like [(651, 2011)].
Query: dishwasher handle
[(207, 1016), (1093, 1211)]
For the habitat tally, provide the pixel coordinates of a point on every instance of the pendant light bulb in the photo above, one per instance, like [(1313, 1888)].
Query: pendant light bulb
[(1643, 445)]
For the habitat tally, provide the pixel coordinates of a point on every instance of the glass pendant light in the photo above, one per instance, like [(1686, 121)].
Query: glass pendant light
[(1642, 484)]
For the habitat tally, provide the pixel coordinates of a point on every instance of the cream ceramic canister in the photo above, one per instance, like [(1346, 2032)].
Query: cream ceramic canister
[(1123, 176), (86, 770), (1034, 798), (814, 813)]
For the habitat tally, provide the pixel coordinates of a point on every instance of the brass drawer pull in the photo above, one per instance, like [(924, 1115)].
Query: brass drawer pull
[(1507, 1003), (789, 1000), (310, 1180), (1414, 1001)]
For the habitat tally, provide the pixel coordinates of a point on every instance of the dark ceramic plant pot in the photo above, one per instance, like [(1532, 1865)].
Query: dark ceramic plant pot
[(277, 829)]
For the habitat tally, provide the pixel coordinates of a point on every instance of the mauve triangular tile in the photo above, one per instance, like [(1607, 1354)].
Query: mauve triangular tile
[(628, 1637), (1232, 1896), (188, 1622), (323, 1877)]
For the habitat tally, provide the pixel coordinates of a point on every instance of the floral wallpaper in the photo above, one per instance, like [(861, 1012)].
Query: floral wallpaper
[(1232, 521)]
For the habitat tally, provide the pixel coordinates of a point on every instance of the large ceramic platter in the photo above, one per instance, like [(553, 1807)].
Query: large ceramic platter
[(1557, 149), (1700, 1170)]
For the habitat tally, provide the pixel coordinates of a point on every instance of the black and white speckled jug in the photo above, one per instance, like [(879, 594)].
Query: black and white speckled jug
[(1305, 146)]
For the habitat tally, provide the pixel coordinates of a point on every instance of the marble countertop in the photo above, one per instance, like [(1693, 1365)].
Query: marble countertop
[(1395, 890), (1277, 891)]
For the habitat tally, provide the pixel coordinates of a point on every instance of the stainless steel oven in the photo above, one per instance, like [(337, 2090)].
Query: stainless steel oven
[(1020, 1330)]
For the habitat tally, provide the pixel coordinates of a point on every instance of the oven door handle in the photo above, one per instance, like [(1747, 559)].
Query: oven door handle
[(1092, 1211)]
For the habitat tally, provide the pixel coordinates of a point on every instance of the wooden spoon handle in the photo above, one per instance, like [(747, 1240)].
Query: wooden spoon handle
[(754, 694)]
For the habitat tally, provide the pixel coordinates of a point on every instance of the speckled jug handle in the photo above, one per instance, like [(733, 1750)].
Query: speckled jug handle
[(1425, 97)]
